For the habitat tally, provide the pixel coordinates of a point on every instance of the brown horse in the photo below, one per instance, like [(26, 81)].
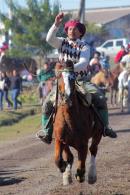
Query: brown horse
[(103, 79), (114, 87), (110, 81), (74, 125)]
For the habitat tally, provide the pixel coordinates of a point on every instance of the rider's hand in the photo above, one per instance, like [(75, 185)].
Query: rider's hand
[(59, 19)]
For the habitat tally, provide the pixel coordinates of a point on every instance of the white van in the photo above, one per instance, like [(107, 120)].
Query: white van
[(112, 46)]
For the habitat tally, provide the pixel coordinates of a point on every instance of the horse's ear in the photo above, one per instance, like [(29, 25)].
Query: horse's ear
[(58, 67)]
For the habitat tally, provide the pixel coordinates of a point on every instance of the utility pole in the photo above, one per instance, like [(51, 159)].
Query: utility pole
[(81, 14)]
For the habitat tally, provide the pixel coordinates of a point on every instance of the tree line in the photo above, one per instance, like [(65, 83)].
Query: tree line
[(29, 25)]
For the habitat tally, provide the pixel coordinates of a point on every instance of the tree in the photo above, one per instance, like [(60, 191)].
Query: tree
[(96, 31), (29, 25)]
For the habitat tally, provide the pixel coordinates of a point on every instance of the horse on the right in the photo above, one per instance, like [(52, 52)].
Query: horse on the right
[(114, 87), (108, 80)]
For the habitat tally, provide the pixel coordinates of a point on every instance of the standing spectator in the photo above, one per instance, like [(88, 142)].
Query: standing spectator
[(120, 55), (126, 59), (122, 83), (16, 87), (126, 84), (6, 88)]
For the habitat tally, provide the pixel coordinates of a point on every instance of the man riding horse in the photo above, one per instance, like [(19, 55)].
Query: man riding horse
[(75, 49)]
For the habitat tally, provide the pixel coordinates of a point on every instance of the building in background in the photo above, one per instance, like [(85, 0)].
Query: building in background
[(114, 20)]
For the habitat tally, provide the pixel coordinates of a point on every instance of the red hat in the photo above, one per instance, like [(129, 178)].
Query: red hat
[(75, 23)]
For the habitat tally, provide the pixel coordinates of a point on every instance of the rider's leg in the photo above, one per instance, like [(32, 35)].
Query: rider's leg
[(100, 103), (108, 131), (45, 134)]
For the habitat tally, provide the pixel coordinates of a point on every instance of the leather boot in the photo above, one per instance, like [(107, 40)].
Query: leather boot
[(108, 131), (45, 134)]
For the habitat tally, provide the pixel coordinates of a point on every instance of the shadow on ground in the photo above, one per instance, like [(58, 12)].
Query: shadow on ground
[(10, 180), (123, 131)]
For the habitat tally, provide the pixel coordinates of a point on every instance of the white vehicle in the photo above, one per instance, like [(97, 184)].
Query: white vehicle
[(112, 46)]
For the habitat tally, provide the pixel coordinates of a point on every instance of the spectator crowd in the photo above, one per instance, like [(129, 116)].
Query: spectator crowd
[(10, 86)]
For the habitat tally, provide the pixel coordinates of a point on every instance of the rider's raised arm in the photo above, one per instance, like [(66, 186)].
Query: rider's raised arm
[(52, 39), (83, 60), (51, 35)]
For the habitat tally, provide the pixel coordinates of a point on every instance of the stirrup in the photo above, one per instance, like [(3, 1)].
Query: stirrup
[(109, 132), (45, 138)]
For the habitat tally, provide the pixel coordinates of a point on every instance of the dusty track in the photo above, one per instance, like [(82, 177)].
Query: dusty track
[(27, 166)]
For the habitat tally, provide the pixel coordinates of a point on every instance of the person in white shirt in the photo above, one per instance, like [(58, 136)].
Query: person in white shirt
[(126, 59), (129, 93), (122, 83)]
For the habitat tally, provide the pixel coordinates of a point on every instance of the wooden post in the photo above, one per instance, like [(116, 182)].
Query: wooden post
[(81, 14)]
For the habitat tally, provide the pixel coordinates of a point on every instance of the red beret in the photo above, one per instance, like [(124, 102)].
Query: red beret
[(75, 23)]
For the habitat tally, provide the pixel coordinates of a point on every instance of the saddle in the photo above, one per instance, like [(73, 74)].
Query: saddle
[(84, 99)]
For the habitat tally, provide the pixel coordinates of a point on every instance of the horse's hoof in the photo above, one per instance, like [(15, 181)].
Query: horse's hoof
[(92, 180), (92, 176), (80, 179), (80, 175), (67, 179)]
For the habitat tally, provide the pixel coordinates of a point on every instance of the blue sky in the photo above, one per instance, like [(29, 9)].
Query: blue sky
[(74, 4)]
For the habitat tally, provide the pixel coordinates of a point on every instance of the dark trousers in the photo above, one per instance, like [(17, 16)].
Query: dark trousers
[(1, 99), (7, 99)]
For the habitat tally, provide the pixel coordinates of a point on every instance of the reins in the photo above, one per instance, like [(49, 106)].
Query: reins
[(54, 111)]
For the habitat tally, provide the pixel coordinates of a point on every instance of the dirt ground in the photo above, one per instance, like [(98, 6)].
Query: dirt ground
[(27, 165)]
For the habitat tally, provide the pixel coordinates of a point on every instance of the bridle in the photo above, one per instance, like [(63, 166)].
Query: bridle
[(65, 82)]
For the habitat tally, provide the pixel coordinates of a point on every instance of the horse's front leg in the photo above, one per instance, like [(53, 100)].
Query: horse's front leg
[(60, 163), (82, 154), (92, 173), (68, 157)]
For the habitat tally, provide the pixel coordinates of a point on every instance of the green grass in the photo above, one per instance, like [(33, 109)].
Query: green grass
[(8, 117), (14, 124), (26, 126)]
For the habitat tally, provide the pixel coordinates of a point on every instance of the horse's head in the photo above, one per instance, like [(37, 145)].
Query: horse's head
[(103, 78), (66, 81)]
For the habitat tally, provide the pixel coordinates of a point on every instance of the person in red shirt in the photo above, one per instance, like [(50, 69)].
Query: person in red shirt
[(120, 54)]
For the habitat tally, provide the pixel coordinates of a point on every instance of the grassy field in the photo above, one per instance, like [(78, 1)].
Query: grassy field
[(14, 124)]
